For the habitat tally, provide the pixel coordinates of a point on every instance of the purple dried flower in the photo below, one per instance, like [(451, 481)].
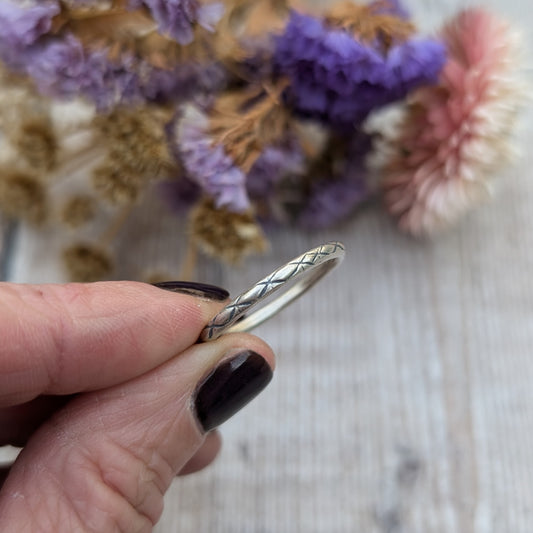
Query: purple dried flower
[(334, 197), (176, 18), (62, 67), (207, 164), (272, 165), (339, 80), (21, 26), (332, 201), (183, 82)]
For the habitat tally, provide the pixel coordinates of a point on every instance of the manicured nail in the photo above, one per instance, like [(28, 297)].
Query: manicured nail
[(193, 288), (229, 387)]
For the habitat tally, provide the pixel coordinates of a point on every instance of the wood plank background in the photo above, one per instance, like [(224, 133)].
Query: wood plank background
[(403, 397)]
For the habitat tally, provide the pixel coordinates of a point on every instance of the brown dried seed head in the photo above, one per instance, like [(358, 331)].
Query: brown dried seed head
[(37, 144), (78, 210), (118, 185), (138, 140), (23, 196), (225, 235), (87, 262)]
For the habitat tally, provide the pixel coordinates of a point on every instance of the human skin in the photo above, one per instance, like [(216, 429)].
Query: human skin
[(100, 384)]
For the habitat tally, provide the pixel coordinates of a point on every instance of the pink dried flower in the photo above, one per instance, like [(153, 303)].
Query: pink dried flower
[(456, 135)]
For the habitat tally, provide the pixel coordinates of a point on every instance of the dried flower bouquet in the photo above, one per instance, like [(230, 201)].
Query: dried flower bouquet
[(246, 113)]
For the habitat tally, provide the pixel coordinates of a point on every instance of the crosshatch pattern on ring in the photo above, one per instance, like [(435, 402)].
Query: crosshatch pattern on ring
[(271, 283)]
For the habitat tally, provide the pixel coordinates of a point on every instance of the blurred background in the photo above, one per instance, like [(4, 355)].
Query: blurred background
[(402, 401)]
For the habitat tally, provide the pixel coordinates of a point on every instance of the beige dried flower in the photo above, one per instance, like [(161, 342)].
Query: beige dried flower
[(138, 139), (78, 210), (138, 152), (87, 262), (118, 185), (225, 235), (23, 196), (37, 144)]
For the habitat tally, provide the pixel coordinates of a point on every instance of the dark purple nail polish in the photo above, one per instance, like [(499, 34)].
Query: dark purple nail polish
[(229, 387), (193, 288)]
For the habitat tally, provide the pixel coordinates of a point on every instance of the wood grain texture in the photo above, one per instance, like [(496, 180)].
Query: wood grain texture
[(402, 401)]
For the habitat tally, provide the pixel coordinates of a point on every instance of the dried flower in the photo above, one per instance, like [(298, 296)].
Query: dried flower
[(138, 140), (219, 150), (378, 23), (175, 18), (119, 185), (37, 144), (62, 67), (456, 135), (189, 79), (22, 25), (23, 196), (342, 183), (78, 210), (225, 235), (340, 79), (242, 44), (209, 166), (244, 110), (109, 52), (87, 262), (246, 122), (138, 152), (274, 163)]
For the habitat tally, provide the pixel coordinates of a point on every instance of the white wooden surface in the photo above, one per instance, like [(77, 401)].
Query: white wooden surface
[(403, 397)]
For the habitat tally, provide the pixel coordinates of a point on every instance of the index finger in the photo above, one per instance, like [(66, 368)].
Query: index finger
[(63, 339)]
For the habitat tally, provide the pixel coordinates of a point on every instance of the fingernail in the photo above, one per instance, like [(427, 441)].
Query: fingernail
[(193, 288), (229, 387)]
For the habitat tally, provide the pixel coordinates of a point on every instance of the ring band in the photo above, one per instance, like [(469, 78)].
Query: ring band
[(304, 270)]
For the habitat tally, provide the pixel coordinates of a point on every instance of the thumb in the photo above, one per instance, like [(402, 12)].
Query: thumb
[(104, 462)]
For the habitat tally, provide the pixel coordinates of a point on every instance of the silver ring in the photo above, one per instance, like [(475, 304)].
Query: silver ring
[(304, 270)]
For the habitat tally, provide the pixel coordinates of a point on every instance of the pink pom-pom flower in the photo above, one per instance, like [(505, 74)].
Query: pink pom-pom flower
[(456, 135)]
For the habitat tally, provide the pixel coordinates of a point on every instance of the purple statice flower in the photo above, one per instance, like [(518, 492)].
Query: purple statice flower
[(185, 81), (62, 67), (22, 25), (274, 163), (339, 80), (334, 197), (332, 201), (207, 163), (176, 18)]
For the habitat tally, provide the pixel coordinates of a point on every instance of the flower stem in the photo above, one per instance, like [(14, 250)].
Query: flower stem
[(109, 235), (190, 261)]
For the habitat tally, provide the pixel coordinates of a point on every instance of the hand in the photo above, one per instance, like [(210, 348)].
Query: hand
[(107, 391)]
